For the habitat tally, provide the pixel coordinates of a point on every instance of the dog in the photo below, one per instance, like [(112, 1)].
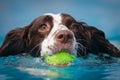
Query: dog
[(51, 33)]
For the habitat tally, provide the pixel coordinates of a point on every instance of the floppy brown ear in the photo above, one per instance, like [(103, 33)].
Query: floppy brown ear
[(94, 41), (15, 42), (100, 45)]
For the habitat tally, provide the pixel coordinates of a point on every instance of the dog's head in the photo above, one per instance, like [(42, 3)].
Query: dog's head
[(51, 33)]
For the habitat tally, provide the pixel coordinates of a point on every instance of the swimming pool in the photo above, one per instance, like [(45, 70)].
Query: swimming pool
[(29, 68)]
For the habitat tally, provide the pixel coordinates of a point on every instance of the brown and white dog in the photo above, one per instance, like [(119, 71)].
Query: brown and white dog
[(51, 33)]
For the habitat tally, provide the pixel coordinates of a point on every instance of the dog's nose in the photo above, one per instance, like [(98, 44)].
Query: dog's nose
[(64, 36)]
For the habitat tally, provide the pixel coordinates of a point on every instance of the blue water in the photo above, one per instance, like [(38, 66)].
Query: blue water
[(29, 68)]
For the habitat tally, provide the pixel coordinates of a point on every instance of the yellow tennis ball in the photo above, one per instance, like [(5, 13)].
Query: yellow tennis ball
[(62, 58)]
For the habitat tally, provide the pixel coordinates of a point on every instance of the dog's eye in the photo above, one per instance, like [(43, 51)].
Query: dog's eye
[(74, 28), (43, 26)]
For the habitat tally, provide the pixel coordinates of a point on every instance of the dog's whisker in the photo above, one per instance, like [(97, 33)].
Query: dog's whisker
[(38, 52), (82, 48), (82, 40), (34, 48), (81, 45)]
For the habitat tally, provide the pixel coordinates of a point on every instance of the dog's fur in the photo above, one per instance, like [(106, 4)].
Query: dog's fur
[(51, 33)]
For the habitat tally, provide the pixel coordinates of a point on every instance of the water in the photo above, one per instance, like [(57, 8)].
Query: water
[(29, 68)]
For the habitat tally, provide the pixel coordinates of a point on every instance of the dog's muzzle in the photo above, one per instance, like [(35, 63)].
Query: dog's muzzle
[(64, 40)]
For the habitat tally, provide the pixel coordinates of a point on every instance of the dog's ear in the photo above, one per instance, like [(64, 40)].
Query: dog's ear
[(25, 32), (94, 41), (100, 45), (15, 41)]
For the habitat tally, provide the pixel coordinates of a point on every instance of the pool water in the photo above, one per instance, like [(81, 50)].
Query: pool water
[(29, 68)]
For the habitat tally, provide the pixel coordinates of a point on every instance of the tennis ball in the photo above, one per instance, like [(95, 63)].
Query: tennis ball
[(62, 58)]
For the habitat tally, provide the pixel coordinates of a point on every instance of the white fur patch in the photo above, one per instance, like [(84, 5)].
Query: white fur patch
[(50, 39)]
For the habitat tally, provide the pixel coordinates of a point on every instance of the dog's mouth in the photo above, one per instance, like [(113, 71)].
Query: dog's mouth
[(62, 47), (69, 47)]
